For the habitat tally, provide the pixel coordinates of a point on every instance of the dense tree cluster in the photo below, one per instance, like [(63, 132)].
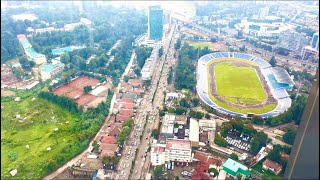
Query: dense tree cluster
[(220, 141), (290, 136), (126, 129), (196, 114), (259, 44), (293, 113), (142, 54), (87, 89), (258, 141), (63, 101)]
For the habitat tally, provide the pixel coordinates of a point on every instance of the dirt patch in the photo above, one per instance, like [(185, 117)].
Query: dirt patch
[(7, 77), (7, 93)]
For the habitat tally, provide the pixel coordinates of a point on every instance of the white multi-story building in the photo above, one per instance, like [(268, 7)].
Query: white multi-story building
[(176, 150), (194, 132), (147, 69), (158, 156), (309, 53), (168, 125)]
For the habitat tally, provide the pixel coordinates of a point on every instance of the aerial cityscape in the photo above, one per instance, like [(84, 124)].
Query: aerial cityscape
[(159, 90)]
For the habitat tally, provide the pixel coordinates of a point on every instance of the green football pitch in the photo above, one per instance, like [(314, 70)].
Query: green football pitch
[(238, 82)]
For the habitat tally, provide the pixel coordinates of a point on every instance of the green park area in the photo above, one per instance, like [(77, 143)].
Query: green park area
[(201, 45), (36, 135)]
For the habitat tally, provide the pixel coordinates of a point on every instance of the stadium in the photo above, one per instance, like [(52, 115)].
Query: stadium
[(240, 84)]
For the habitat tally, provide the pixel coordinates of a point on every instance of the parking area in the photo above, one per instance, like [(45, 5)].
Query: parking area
[(241, 142)]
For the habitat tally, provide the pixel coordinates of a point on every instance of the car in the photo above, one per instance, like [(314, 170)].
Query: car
[(122, 173)]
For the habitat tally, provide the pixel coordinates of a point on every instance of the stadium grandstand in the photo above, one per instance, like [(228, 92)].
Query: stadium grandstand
[(243, 56), (277, 79), (282, 76)]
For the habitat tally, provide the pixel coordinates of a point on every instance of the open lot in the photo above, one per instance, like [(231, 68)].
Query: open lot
[(74, 90), (27, 130)]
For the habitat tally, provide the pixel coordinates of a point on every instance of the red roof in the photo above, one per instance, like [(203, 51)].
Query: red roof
[(127, 105), (272, 165), (109, 140), (115, 129), (126, 100), (206, 157), (126, 112), (199, 172), (21, 36), (108, 149), (123, 118), (135, 82)]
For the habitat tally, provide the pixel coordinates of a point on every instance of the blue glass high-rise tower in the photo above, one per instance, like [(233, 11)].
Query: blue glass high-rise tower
[(315, 41), (155, 23)]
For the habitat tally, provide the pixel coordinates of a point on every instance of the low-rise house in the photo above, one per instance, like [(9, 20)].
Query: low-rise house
[(135, 82), (126, 100), (271, 165), (207, 157), (126, 112), (122, 118)]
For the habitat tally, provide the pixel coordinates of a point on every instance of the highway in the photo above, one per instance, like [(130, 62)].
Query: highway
[(146, 119)]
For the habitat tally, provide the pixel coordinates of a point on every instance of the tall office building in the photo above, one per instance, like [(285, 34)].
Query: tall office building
[(315, 41), (304, 157), (155, 23)]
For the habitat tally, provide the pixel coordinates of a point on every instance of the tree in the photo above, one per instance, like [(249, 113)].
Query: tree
[(87, 89), (195, 101), (178, 44), (239, 176), (26, 64), (126, 78), (213, 170), (65, 58), (243, 48), (155, 134), (290, 136), (257, 120), (273, 61), (95, 146), (177, 178), (234, 156), (157, 172), (207, 116), (220, 141)]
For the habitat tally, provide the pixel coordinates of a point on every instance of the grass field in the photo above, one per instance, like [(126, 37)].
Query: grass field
[(241, 82), (35, 128), (201, 45)]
